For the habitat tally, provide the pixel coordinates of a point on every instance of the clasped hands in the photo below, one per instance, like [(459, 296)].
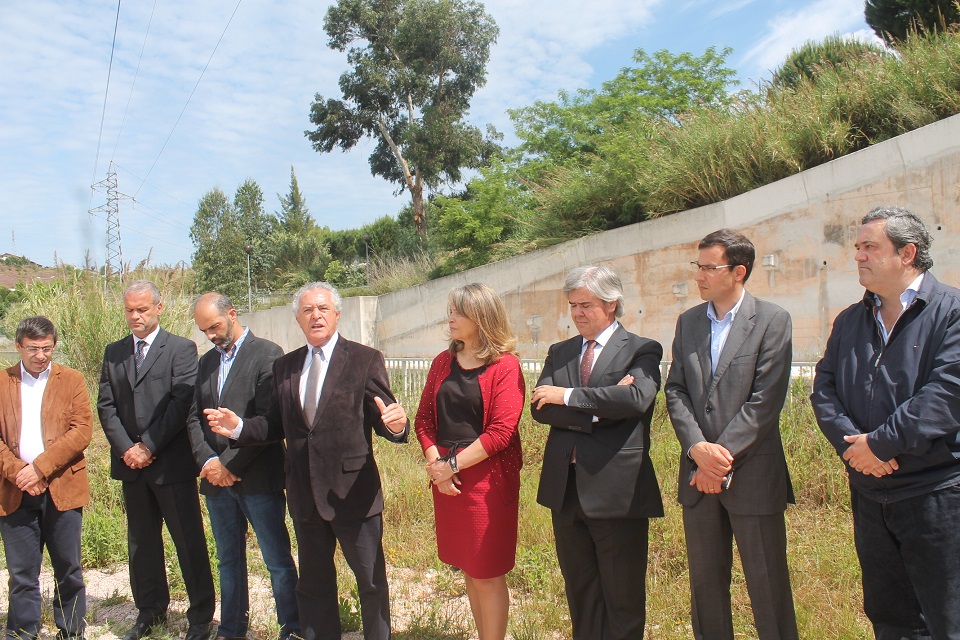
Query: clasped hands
[(861, 458), (217, 474), (29, 480), (138, 456), (441, 475), (713, 462)]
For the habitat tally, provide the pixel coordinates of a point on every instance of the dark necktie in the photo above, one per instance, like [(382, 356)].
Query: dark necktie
[(586, 363), (310, 396), (139, 356)]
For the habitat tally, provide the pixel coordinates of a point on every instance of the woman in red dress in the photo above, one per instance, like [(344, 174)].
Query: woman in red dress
[(467, 425)]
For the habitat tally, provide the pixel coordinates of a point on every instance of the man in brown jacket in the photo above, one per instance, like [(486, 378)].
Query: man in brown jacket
[(45, 426)]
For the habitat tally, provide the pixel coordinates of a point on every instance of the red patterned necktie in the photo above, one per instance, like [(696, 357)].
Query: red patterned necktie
[(586, 363)]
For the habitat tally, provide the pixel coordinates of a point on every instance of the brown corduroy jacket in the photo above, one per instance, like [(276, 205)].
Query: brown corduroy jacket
[(66, 421)]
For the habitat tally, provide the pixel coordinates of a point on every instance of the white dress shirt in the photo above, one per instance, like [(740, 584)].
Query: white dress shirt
[(31, 399)]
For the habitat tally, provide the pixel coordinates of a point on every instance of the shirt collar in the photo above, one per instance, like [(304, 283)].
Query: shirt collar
[(604, 336), (327, 349), (44, 375), (235, 347), (909, 294), (732, 314), (149, 339)]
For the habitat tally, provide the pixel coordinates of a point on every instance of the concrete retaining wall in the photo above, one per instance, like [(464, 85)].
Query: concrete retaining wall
[(806, 222)]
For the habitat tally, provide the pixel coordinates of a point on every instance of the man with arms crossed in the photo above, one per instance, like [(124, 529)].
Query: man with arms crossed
[(725, 390), (887, 397), (45, 426), (596, 392), (241, 484), (328, 398), (146, 393)]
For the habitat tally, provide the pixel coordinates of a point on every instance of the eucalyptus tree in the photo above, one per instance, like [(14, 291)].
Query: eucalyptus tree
[(414, 67)]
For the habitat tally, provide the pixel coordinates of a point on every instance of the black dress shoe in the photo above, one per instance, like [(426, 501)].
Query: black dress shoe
[(198, 632), (143, 629)]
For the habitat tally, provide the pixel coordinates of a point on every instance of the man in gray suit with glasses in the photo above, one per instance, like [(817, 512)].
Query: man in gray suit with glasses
[(725, 390)]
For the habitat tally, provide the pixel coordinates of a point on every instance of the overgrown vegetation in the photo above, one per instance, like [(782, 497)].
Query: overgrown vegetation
[(664, 135), (823, 562)]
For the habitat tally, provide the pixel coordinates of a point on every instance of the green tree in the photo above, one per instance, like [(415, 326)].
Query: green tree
[(808, 61), (892, 20), (414, 69), (220, 232), (299, 247), (254, 226), (661, 86), (218, 260), (294, 215), (474, 227)]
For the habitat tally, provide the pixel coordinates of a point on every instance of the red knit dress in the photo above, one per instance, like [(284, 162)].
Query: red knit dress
[(477, 529)]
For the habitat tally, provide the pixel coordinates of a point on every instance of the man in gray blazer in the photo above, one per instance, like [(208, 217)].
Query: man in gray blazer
[(241, 484), (596, 392), (725, 391)]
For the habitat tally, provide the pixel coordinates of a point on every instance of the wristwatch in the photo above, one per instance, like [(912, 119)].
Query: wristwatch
[(452, 461)]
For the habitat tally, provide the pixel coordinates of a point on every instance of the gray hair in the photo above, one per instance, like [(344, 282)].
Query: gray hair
[(600, 281), (905, 227), (220, 301), (312, 286), (143, 286)]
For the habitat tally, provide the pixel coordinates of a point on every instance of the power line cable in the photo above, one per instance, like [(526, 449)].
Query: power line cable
[(134, 84), (106, 92), (145, 235), (162, 217), (189, 97), (154, 187)]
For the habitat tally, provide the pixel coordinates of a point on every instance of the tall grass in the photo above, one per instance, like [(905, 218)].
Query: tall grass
[(88, 316), (714, 153), (823, 562)]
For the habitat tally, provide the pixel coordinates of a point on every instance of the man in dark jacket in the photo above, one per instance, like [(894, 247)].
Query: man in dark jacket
[(146, 391), (241, 484), (597, 391), (887, 397)]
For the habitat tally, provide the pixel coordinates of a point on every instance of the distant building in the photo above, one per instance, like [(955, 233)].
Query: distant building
[(11, 259)]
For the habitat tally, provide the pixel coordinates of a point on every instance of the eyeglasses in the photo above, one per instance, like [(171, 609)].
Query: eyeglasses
[(707, 268), (35, 350)]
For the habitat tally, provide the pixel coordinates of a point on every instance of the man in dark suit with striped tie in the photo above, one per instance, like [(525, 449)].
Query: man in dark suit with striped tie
[(596, 392)]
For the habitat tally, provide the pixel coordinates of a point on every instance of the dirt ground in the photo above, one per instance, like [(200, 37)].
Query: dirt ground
[(110, 609)]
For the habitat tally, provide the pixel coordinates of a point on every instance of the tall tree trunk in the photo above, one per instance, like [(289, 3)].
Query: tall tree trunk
[(419, 211)]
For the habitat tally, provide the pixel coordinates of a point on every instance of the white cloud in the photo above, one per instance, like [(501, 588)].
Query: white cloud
[(723, 8), (791, 29)]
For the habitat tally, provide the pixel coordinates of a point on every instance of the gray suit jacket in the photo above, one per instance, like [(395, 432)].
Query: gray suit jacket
[(615, 477), (738, 406), (247, 391)]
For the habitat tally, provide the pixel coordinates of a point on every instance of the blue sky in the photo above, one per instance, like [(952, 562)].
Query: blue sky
[(248, 113)]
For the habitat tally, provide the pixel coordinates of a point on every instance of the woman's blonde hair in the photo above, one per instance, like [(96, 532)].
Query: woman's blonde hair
[(482, 305)]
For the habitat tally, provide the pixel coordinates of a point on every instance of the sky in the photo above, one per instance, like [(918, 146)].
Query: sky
[(210, 93)]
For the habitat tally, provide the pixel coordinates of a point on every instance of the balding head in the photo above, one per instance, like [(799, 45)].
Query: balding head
[(216, 317)]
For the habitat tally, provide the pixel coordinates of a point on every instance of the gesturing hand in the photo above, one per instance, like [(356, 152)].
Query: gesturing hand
[(222, 421), (393, 415)]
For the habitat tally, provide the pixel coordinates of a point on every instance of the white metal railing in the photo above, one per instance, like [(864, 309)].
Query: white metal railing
[(409, 375)]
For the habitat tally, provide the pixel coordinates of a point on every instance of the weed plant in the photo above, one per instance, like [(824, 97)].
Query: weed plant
[(823, 561), (644, 169), (824, 567)]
